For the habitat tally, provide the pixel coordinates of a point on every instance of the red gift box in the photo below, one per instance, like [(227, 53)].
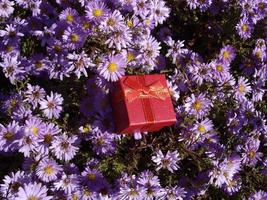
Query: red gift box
[(142, 103)]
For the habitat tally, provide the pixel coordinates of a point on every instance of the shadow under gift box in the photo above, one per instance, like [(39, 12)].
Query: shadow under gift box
[(142, 103)]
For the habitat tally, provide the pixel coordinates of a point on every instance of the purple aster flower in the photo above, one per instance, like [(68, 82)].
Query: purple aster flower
[(52, 105), (175, 193), (200, 73), (113, 22), (168, 161), (103, 143), (64, 147), (93, 179), (12, 183), (197, 105), (9, 136), (244, 28), (131, 193), (10, 34), (67, 183), (6, 8), (48, 170), (119, 39), (34, 126), (46, 137), (74, 37), (176, 49), (219, 69), (227, 54), (141, 7), (96, 11), (34, 94), (69, 15), (79, 63), (28, 144), (204, 4), (242, 88), (149, 51), (33, 191), (174, 90), (159, 11), (113, 67), (224, 171), (259, 195), (251, 154), (260, 53), (203, 127), (11, 68)]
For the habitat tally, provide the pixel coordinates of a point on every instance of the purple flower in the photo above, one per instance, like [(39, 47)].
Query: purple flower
[(11, 68), (67, 183), (168, 161), (131, 193), (9, 136), (33, 191), (52, 105), (175, 193), (203, 127), (12, 183), (34, 126), (159, 11), (227, 54), (47, 170), (96, 11), (251, 155), (242, 88), (259, 195), (34, 94), (74, 38), (79, 63), (6, 8), (113, 67), (64, 147), (69, 15), (197, 105), (244, 28)]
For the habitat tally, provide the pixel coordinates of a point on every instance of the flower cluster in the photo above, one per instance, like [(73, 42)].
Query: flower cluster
[(58, 62)]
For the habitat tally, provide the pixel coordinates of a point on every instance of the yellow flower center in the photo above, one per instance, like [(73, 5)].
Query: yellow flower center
[(133, 193), (244, 27), (111, 22), (147, 22), (35, 131), (33, 198), (241, 88), (97, 12), (130, 57), (87, 129), (201, 129), (74, 197), (129, 23), (197, 105), (258, 54), (91, 177), (69, 18), (112, 67), (226, 54), (74, 37), (8, 136), (87, 192), (219, 68), (86, 25), (49, 170), (38, 64), (251, 154)]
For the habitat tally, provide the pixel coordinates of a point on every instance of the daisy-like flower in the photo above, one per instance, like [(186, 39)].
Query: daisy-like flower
[(79, 63), (74, 38), (96, 11), (131, 193), (259, 195), (6, 8), (114, 21), (251, 155), (9, 136), (197, 105), (168, 161), (69, 15), (120, 38), (11, 68), (176, 49), (12, 183), (200, 73), (93, 179), (64, 147), (34, 126), (219, 69), (242, 88), (174, 193), (227, 54), (67, 183), (174, 90), (47, 170), (52, 105), (203, 127), (10, 34), (113, 67), (46, 137), (260, 53), (159, 11), (244, 28), (33, 191), (34, 94)]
